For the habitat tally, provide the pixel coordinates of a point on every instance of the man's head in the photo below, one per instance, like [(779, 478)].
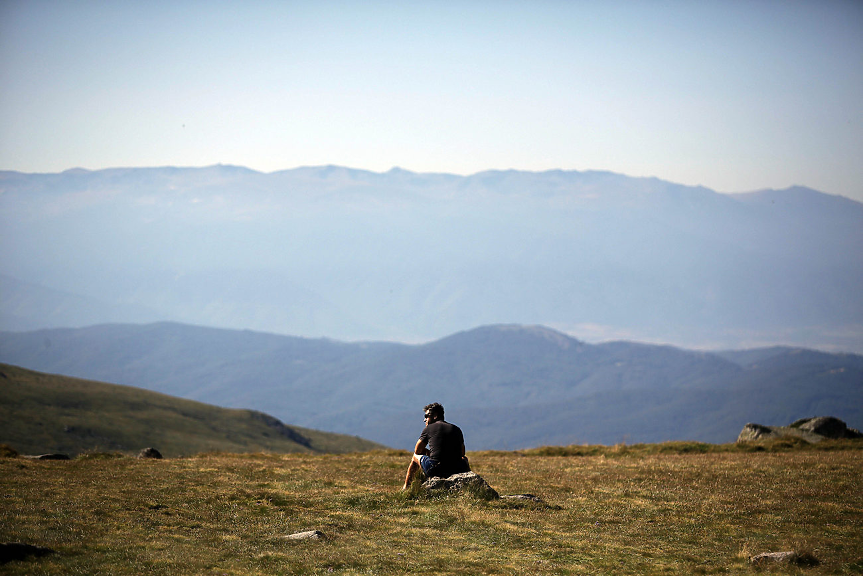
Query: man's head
[(433, 412)]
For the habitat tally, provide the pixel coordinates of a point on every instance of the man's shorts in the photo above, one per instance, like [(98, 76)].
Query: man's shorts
[(427, 463)]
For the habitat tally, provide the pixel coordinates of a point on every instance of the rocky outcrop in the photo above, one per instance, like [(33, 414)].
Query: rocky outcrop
[(464, 483), (811, 430), (828, 427)]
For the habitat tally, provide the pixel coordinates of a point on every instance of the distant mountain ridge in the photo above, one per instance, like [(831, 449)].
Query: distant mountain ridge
[(22, 301), (401, 256), (508, 386)]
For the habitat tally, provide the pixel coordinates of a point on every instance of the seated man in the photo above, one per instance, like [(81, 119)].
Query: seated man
[(440, 448)]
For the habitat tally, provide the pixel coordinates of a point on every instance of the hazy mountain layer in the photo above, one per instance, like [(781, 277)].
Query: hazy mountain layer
[(410, 257), (508, 386)]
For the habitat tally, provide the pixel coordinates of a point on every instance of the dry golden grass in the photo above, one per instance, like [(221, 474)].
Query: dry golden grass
[(611, 513)]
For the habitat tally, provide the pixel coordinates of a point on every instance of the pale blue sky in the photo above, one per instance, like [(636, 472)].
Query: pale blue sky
[(733, 95)]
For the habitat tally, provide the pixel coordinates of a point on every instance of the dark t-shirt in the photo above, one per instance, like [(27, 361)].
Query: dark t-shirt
[(444, 441)]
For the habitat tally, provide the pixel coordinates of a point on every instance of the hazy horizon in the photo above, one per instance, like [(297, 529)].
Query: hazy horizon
[(354, 255), (732, 96), (419, 173)]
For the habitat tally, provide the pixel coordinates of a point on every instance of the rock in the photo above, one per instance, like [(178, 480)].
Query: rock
[(12, 551), (774, 558), (826, 426), (529, 497), (811, 430), (752, 432), (308, 535), (528, 501), (150, 453), (464, 482), (49, 457)]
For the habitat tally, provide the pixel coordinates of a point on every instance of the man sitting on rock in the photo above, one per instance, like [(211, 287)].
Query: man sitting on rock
[(440, 448)]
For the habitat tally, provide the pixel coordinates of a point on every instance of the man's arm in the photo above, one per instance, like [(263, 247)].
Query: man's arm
[(421, 447)]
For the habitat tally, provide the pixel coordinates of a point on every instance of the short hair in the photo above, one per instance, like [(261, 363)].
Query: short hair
[(434, 409)]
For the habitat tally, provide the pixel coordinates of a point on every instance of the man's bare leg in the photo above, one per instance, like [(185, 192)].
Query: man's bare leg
[(412, 469)]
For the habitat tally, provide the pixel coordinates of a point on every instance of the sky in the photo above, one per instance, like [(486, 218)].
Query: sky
[(732, 95)]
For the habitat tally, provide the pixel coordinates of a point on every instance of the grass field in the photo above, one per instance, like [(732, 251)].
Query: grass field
[(610, 510)]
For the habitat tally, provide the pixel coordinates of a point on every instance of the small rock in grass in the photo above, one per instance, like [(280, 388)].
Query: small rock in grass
[(150, 453), (531, 500), (308, 535), (49, 457), (530, 497), (774, 558)]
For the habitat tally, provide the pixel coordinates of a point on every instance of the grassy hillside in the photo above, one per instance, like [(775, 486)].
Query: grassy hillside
[(616, 510), (42, 413)]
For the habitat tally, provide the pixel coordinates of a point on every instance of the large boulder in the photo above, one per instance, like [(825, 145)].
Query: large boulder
[(463, 483), (827, 426), (473, 484)]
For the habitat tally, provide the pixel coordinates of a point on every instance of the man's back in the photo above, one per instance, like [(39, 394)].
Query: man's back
[(445, 441)]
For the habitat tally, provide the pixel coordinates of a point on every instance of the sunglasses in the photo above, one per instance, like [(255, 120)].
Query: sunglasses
[(426, 416)]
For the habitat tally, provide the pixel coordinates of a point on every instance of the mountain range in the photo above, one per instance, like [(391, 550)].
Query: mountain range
[(507, 386), (400, 256)]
